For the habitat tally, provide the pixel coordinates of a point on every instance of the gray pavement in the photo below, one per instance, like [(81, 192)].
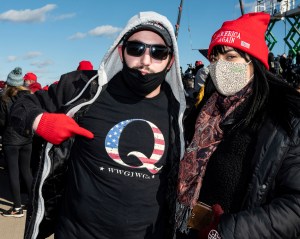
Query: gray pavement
[(10, 228)]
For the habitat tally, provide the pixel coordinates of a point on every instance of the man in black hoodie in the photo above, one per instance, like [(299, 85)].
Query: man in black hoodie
[(128, 139)]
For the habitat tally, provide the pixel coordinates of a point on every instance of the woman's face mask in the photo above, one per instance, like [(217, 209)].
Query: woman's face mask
[(229, 77)]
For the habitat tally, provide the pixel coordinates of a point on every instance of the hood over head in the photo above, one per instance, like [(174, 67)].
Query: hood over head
[(111, 64)]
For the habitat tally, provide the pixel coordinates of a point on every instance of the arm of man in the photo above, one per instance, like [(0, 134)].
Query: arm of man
[(25, 110)]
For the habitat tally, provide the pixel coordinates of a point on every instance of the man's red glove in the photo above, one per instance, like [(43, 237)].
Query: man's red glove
[(56, 128), (210, 231)]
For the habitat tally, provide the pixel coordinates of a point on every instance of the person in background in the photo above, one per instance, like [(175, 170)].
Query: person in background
[(283, 65), (190, 85), (278, 69), (34, 87), (243, 156), (289, 60), (271, 62), (16, 148), (37, 141), (2, 86), (46, 87), (200, 79), (29, 78), (198, 65), (85, 66), (124, 123), (298, 58)]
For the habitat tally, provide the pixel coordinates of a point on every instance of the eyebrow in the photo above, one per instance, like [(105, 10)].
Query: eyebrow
[(226, 51)]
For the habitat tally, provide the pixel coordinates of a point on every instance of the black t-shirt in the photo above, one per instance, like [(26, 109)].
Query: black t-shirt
[(117, 182)]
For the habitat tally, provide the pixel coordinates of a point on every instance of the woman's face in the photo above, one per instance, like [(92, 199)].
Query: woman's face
[(232, 56)]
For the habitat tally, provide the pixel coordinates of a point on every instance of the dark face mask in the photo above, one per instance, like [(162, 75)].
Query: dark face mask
[(142, 85)]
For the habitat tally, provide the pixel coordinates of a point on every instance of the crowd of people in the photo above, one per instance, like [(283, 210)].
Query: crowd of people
[(21, 153), (138, 149), (286, 68)]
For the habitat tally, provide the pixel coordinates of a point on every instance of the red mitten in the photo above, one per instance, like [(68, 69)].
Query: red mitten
[(211, 230), (56, 128)]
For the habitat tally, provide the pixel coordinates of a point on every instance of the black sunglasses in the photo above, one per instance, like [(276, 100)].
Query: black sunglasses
[(157, 51)]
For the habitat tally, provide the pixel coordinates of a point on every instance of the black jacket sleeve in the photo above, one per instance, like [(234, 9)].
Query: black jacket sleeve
[(279, 216), (3, 116), (25, 110)]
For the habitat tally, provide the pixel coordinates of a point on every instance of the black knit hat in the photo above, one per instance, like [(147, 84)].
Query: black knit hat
[(151, 26)]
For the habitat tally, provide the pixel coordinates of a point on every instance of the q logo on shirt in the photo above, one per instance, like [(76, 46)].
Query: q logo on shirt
[(112, 144)]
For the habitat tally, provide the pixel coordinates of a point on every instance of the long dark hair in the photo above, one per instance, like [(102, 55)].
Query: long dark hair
[(264, 98)]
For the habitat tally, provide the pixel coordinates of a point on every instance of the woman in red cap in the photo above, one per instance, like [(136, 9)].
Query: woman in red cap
[(29, 78), (242, 158)]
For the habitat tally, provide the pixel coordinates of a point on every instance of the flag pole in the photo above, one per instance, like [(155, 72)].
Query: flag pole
[(178, 19)]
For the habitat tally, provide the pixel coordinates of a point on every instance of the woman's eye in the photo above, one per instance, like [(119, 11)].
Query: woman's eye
[(231, 57)]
